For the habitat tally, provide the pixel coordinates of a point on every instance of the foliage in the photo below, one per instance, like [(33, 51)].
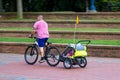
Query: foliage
[(59, 5), (108, 5), (46, 5), (110, 0)]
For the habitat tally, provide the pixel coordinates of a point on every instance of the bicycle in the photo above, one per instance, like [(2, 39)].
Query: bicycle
[(52, 54)]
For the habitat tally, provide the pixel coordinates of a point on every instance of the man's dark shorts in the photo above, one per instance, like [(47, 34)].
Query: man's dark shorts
[(41, 42)]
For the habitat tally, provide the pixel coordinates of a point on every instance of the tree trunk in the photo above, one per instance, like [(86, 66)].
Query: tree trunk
[(19, 9), (1, 6)]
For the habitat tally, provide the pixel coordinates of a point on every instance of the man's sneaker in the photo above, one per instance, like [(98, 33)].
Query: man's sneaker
[(42, 60)]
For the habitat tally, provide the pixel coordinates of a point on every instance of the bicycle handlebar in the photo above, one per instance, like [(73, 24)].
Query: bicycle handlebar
[(33, 37)]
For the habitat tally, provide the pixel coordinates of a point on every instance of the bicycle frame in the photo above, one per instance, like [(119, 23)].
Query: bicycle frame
[(49, 55)]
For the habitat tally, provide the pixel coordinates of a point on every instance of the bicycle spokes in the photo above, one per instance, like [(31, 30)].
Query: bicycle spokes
[(31, 55), (53, 56)]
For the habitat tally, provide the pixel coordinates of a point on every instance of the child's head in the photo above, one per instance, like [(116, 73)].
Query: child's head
[(79, 47)]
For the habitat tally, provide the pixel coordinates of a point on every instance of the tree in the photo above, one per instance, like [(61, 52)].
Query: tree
[(19, 9), (111, 5), (58, 5), (0, 5)]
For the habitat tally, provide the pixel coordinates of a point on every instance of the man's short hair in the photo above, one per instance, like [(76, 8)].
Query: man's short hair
[(40, 16)]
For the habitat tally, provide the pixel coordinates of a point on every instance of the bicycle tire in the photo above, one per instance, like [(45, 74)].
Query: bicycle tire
[(31, 55), (82, 62), (53, 56), (67, 63)]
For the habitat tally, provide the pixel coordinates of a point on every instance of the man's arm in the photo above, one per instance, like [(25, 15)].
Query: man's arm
[(32, 33)]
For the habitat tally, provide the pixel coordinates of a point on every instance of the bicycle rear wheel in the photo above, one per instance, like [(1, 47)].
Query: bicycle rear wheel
[(53, 56), (82, 62), (31, 55)]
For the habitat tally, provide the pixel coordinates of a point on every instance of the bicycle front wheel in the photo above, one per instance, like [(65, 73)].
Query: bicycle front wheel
[(31, 55), (53, 56)]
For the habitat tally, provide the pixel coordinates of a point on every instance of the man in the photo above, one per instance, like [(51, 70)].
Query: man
[(41, 28)]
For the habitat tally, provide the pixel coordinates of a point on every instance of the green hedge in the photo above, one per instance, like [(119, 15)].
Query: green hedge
[(56, 5)]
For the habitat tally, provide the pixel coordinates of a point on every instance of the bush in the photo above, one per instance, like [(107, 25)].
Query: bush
[(60, 5)]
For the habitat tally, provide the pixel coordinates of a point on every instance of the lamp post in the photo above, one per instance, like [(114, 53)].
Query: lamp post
[(92, 7)]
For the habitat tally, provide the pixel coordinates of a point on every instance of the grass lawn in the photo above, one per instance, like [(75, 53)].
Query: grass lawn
[(15, 29), (61, 41), (66, 29), (71, 20)]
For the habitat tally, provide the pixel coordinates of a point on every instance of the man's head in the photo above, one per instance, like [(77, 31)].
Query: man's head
[(40, 17)]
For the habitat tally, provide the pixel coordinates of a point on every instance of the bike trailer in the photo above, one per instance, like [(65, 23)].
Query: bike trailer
[(80, 51)]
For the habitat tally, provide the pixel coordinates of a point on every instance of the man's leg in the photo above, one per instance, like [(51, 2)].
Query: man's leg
[(41, 51), (41, 43), (42, 55)]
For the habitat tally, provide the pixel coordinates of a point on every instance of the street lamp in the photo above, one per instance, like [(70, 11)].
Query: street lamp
[(92, 7)]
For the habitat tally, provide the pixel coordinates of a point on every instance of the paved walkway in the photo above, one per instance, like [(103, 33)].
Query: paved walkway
[(13, 67)]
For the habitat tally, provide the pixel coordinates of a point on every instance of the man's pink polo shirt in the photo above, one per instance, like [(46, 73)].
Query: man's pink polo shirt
[(42, 29)]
